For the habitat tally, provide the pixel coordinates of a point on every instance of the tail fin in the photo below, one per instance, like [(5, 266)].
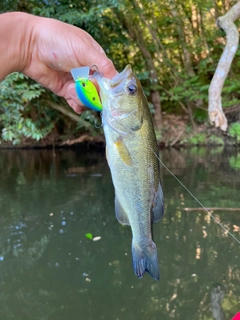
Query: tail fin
[(145, 259)]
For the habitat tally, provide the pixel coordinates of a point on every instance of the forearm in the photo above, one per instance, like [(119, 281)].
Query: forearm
[(46, 50), (15, 42)]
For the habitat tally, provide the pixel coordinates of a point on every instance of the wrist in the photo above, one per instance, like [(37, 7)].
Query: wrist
[(16, 34)]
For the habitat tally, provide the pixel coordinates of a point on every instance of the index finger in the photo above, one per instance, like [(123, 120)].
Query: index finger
[(95, 55), (106, 66)]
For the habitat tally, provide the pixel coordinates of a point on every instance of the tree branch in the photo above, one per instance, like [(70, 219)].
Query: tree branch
[(226, 23), (69, 114), (212, 209)]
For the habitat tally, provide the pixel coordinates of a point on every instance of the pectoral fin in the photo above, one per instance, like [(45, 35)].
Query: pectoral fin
[(123, 152), (120, 213), (158, 205)]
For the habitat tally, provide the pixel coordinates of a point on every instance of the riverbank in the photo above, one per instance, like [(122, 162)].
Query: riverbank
[(176, 132)]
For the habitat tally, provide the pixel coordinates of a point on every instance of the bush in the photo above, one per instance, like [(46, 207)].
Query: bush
[(234, 131)]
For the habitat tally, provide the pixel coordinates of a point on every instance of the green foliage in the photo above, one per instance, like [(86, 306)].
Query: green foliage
[(180, 43), (216, 140), (203, 139), (234, 131), (90, 116), (200, 115), (198, 139), (16, 93), (158, 135), (234, 162), (93, 117)]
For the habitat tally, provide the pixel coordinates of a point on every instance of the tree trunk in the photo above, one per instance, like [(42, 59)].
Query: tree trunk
[(187, 59), (160, 49), (226, 23), (157, 120), (186, 54), (136, 34)]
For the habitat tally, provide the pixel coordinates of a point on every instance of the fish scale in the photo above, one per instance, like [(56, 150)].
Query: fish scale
[(130, 140)]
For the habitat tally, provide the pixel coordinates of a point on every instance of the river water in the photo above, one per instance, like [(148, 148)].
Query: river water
[(50, 270)]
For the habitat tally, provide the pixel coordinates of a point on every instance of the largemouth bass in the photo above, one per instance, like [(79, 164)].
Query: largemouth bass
[(131, 151)]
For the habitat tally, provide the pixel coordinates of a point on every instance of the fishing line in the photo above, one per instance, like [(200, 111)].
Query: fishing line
[(212, 216)]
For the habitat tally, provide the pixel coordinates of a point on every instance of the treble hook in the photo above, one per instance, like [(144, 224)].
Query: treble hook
[(94, 66), (95, 72)]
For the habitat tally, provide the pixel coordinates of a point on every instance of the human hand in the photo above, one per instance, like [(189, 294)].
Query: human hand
[(57, 48), (49, 49)]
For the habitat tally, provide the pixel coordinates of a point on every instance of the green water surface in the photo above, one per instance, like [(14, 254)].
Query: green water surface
[(50, 270)]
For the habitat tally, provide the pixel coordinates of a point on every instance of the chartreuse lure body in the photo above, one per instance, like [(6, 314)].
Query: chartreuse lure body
[(88, 94), (85, 89)]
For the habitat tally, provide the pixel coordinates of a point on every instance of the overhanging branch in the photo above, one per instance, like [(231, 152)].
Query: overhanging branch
[(69, 114), (226, 22)]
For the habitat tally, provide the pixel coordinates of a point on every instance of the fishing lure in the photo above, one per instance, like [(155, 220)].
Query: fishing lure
[(85, 89)]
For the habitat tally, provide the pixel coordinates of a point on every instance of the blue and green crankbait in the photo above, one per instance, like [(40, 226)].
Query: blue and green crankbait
[(88, 94), (85, 89)]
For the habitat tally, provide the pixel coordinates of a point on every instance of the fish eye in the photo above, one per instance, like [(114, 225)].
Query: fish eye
[(83, 84), (132, 89)]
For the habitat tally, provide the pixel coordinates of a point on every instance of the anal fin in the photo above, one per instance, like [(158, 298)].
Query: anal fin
[(158, 205), (120, 213)]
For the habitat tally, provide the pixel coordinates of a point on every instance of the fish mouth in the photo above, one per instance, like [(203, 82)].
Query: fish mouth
[(118, 78), (106, 84)]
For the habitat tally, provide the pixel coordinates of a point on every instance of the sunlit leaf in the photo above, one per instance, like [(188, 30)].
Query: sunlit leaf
[(89, 236)]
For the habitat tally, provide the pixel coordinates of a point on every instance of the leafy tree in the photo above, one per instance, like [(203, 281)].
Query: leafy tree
[(174, 50), (16, 93)]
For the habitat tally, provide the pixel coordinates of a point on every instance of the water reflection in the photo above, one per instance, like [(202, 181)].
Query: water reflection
[(50, 270), (217, 295)]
